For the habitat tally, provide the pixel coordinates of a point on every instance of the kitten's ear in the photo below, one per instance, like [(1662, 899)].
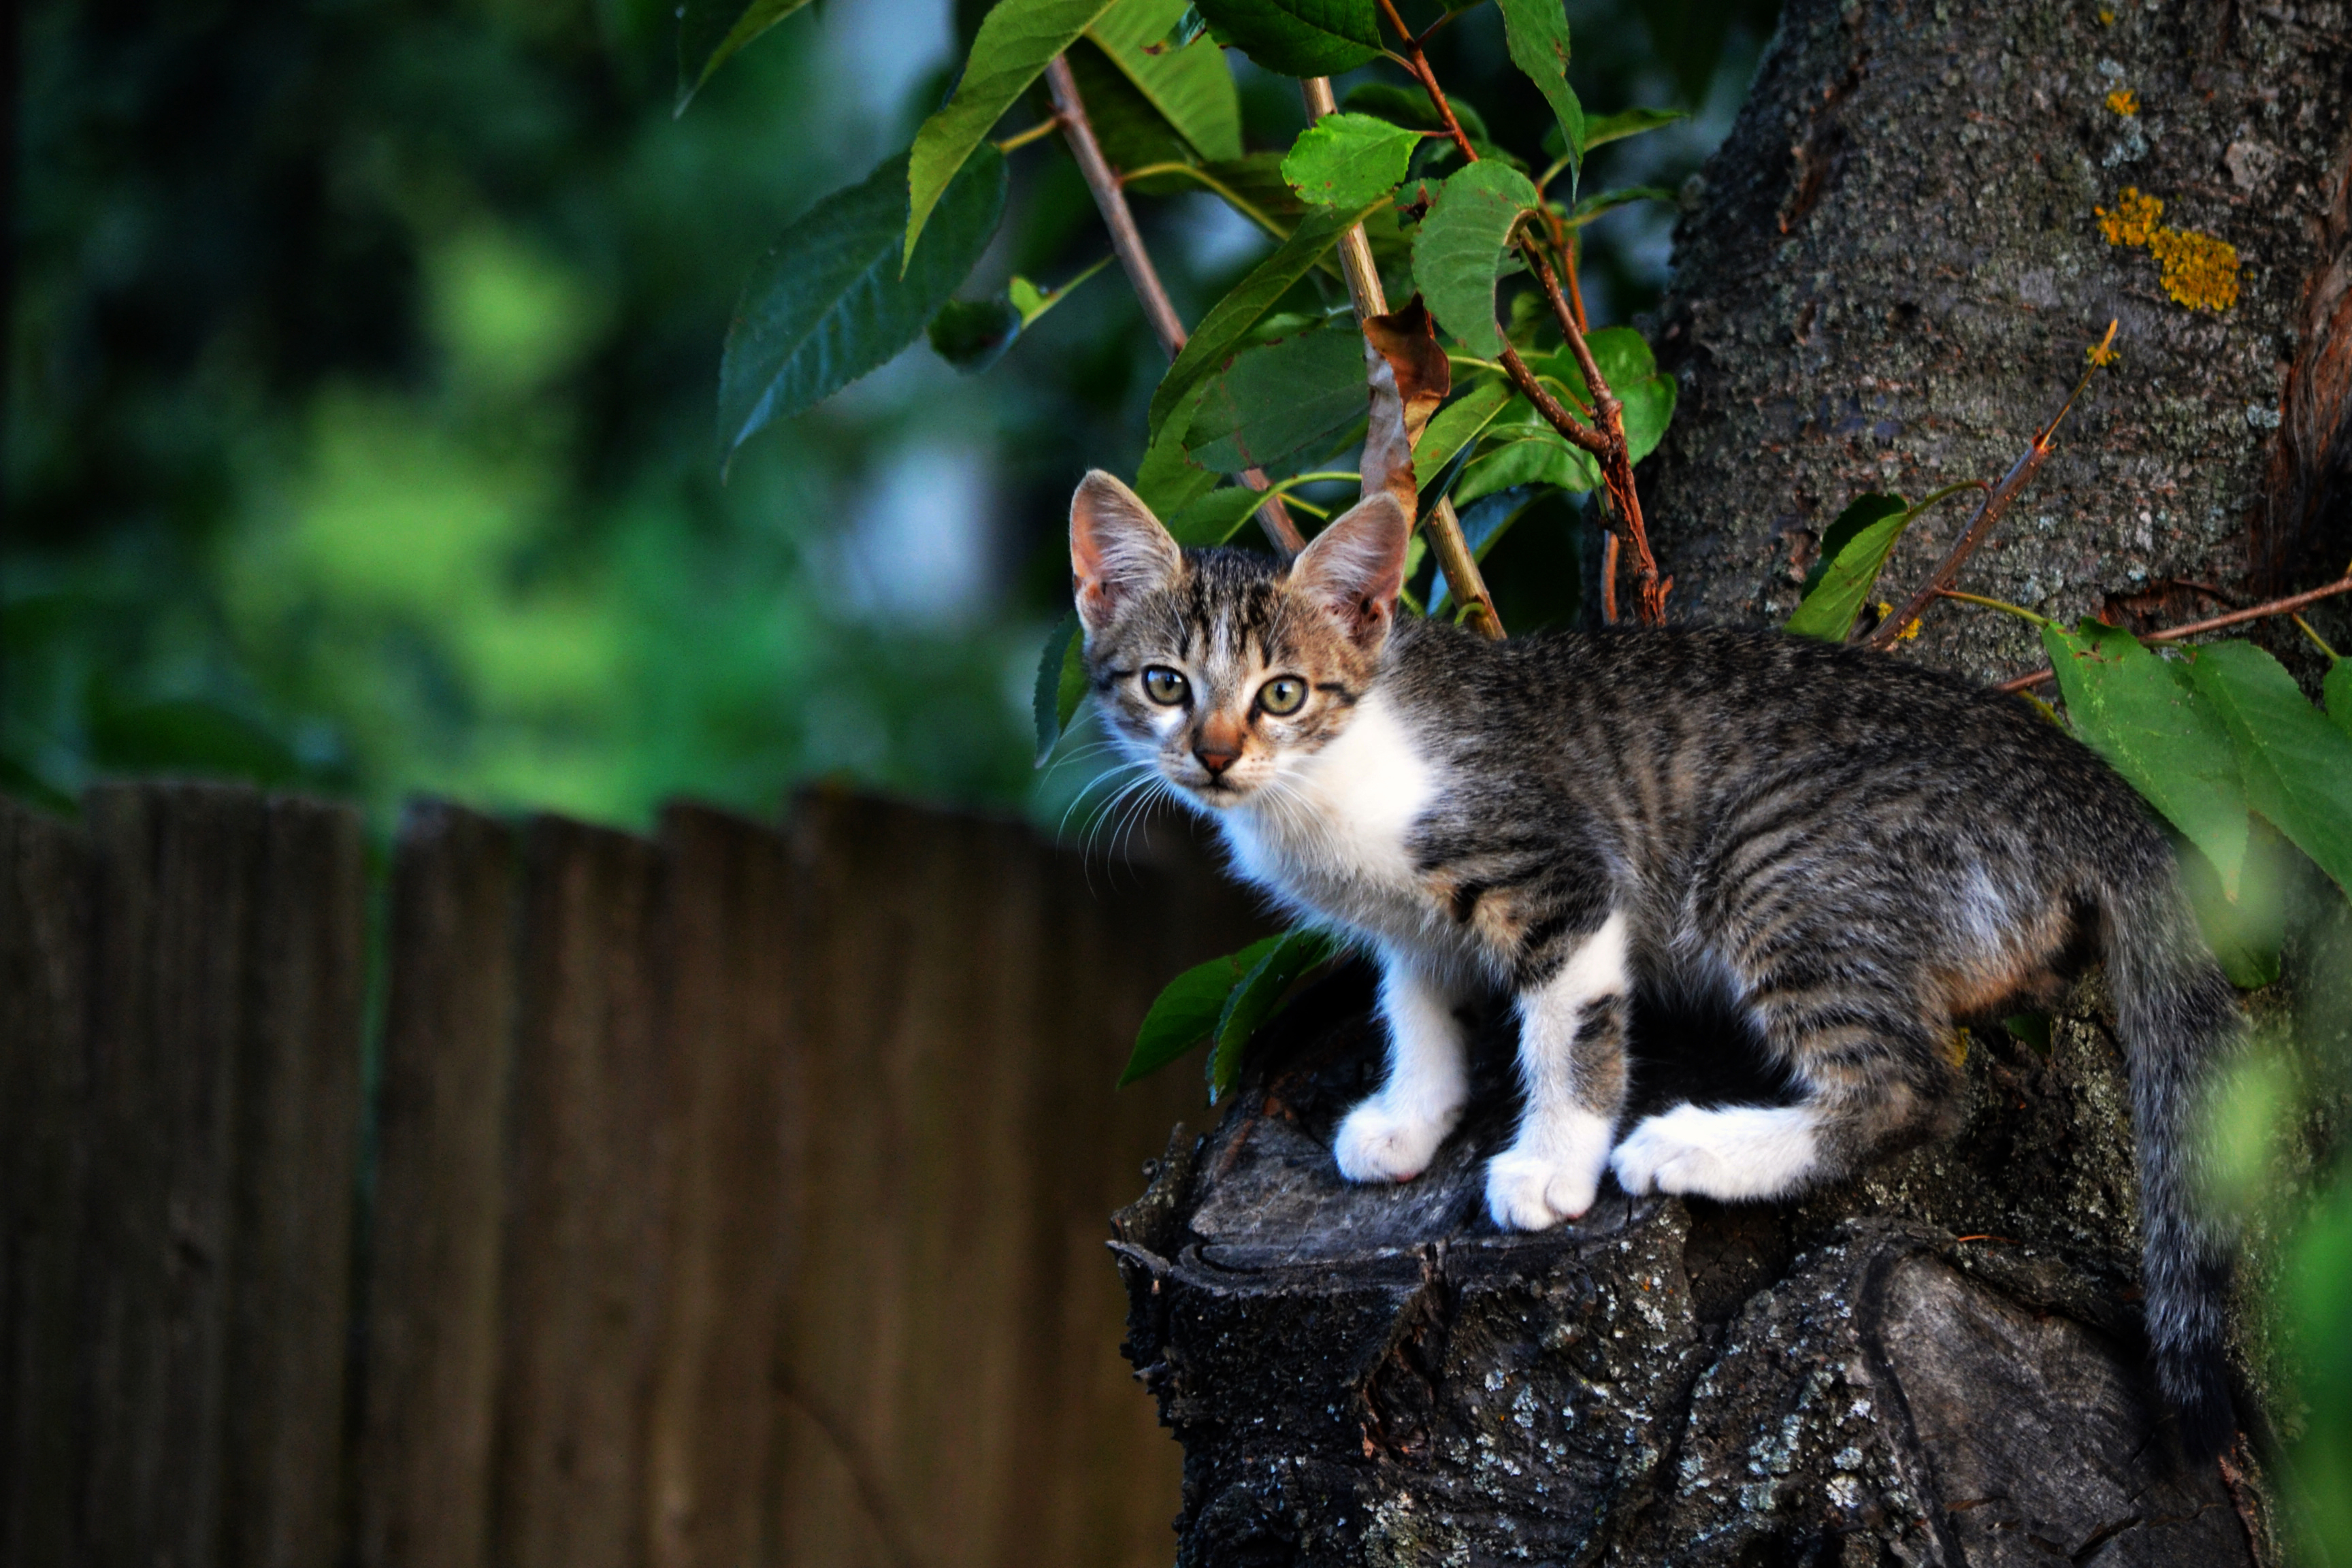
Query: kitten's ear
[(1117, 549), (1356, 566)]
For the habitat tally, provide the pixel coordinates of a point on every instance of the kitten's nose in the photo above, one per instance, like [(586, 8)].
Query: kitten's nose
[(1216, 761)]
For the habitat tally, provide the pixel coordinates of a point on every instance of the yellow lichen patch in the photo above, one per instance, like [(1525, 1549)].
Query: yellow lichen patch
[(2200, 271), (1908, 632), (2134, 219), (2124, 101), (2106, 17)]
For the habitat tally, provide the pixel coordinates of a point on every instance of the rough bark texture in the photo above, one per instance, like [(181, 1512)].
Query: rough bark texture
[(1888, 277), (1886, 281), (1937, 1364)]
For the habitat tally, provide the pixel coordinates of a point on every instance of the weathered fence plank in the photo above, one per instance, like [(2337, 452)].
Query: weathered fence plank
[(430, 1324), (297, 1142), (583, 1253), (735, 1110), (45, 937), (177, 866), (948, 1340)]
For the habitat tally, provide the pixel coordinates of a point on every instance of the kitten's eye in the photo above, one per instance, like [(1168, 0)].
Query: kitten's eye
[(1283, 694), (1163, 686)]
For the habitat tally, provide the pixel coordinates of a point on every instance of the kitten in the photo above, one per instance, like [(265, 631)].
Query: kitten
[(1853, 850)]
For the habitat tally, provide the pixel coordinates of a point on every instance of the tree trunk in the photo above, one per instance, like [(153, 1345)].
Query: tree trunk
[(1886, 280)]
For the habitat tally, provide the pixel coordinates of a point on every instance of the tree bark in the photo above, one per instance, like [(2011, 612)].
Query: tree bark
[(1885, 280)]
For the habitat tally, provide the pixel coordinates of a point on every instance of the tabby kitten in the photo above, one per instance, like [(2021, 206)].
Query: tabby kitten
[(1850, 851)]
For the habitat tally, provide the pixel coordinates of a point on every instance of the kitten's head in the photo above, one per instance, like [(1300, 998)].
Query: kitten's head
[(1223, 668)]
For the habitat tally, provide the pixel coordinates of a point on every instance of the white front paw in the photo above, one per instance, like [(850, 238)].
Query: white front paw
[(1380, 1143), (1549, 1175)]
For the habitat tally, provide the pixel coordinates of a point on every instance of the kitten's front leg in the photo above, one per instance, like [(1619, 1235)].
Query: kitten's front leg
[(1392, 1136), (1572, 1061)]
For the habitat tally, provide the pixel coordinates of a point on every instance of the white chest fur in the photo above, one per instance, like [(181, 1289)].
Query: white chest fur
[(1331, 835)]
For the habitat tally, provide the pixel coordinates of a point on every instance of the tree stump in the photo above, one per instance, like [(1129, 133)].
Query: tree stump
[(1939, 1362)]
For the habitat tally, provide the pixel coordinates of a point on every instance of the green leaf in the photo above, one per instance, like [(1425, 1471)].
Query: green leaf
[(708, 31), (1458, 254), (1536, 33), (1458, 425), (1299, 37), (1016, 40), (1229, 320), (1348, 160), (1621, 354), (2297, 767), (1033, 302), (2338, 689), (1272, 400), (1188, 1008), (1214, 518), (972, 334), (1649, 408), (1061, 683), (1410, 106), (1543, 458), (1256, 998), (2142, 713), (1853, 552), (1600, 202), (1168, 480), (830, 301), (1189, 85), (2247, 932), (1605, 128), (1132, 131)]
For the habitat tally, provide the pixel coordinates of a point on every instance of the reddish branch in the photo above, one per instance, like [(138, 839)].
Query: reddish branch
[(1110, 199), (2285, 606), (1606, 441)]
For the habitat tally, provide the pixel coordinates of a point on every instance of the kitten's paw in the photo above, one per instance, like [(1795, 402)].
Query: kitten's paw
[(1736, 1153), (1547, 1177), (1378, 1143)]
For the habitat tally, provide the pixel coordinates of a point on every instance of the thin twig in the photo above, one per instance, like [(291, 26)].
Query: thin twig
[(1110, 199), (1615, 456), (2021, 473), (1609, 577), (1036, 132), (2285, 606), (1466, 585)]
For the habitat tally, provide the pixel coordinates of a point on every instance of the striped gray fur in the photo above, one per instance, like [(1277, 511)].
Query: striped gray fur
[(1854, 852)]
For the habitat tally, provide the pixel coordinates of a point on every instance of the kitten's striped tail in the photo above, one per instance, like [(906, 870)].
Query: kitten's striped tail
[(2179, 1021)]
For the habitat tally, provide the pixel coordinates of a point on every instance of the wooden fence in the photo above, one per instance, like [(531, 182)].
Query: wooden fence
[(731, 1197)]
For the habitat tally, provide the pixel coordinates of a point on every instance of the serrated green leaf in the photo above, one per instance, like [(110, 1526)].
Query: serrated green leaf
[(1348, 160), (1853, 552), (1214, 518), (972, 334), (1299, 37), (1016, 39), (2143, 714), (1130, 131), (1600, 202), (1189, 85), (1458, 253), (1621, 354), (1605, 128), (2337, 688), (1257, 999), (1229, 320), (1458, 425), (830, 301), (1649, 408), (1061, 683), (2248, 932), (2297, 767), (1542, 459), (1187, 1009), (708, 31), (1168, 480), (1274, 399), (1536, 33)]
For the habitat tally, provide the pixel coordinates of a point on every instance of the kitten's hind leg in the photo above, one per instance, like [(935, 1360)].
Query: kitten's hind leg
[(1392, 1136), (1572, 1061), (1874, 1078)]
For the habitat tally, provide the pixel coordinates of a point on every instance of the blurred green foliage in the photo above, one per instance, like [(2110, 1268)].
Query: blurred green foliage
[(362, 360)]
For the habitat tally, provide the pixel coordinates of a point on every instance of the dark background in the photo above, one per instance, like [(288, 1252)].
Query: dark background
[(359, 413)]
